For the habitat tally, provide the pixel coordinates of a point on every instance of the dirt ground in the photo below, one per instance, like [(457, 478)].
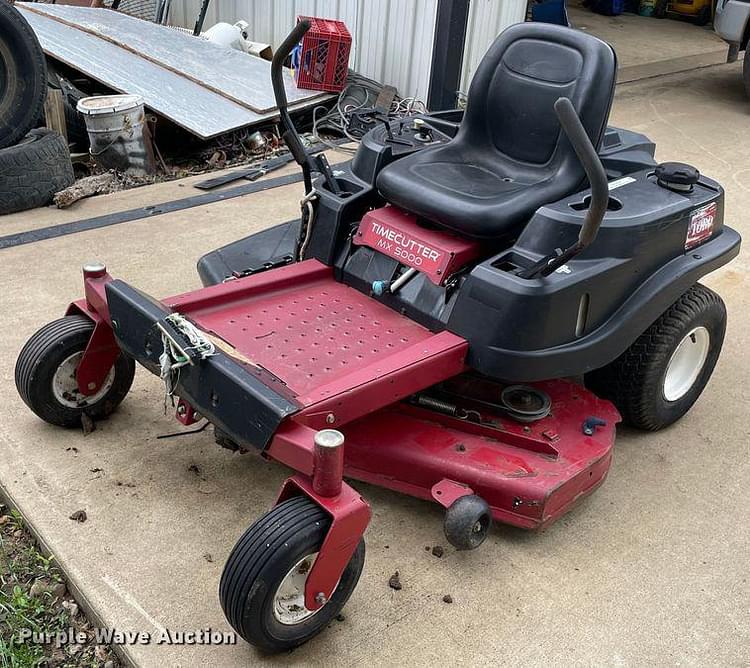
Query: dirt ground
[(651, 569)]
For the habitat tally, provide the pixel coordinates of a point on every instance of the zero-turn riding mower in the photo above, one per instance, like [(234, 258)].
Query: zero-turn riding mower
[(463, 314)]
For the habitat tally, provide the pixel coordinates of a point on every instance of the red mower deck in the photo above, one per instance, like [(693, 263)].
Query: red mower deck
[(530, 474)]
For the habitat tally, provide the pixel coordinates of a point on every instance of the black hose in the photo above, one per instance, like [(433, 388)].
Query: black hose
[(592, 165)]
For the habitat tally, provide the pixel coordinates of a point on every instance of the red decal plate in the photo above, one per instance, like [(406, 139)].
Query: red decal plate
[(397, 234)]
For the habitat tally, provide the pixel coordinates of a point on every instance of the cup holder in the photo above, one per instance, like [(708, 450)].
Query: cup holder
[(613, 204), (348, 187)]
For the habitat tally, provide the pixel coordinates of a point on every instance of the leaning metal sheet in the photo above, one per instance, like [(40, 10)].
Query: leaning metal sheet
[(233, 74), (187, 104)]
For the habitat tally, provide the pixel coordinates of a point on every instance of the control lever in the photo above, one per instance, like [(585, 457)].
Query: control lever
[(324, 167), (389, 135), (291, 136), (597, 177)]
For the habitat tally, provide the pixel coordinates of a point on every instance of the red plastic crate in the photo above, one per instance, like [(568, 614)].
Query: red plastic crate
[(324, 58)]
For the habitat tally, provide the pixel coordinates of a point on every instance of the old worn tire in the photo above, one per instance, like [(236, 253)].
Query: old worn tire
[(33, 171), (636, 382), (746, 70), (267, 553), (75, 125), (703, 17), (23, 76), (45, 353)]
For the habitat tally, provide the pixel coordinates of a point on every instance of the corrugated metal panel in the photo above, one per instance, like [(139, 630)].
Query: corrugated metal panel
[(392, 38)]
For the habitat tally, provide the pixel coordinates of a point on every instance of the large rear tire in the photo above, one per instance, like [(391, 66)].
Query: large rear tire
[(746, 70), (658, 379), (262, 586), (23, 76)]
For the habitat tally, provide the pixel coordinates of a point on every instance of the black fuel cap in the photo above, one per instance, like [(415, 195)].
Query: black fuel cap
[(676, 176)]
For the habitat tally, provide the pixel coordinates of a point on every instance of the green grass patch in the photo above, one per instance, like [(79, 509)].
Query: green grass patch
[(33, 599)]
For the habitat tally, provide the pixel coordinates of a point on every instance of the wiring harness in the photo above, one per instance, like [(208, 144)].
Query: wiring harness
[(361, 93)]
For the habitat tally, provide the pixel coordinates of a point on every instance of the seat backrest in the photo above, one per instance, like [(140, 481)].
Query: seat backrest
[(510, 103)]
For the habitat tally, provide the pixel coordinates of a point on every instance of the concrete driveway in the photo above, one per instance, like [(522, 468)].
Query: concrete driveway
[(651, 569)]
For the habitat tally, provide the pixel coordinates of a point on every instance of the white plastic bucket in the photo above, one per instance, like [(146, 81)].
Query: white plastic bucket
[(116, 129)]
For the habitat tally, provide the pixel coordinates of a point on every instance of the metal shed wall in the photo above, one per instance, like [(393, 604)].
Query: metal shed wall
[(392, 39)]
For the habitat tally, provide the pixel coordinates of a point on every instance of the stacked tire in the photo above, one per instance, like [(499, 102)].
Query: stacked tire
[(34, 164)]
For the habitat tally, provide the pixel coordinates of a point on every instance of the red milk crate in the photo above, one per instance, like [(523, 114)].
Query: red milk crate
[(324, 58)]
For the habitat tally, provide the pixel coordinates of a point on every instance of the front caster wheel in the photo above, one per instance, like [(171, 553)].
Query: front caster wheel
[(467, 522), (262, 588), (656, 381), (46, 374)]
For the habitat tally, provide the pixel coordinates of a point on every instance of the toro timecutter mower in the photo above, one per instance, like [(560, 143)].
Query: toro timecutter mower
[(462, 314)]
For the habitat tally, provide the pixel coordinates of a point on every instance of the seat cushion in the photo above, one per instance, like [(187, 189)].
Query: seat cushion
[(474, 200), (510, 156)]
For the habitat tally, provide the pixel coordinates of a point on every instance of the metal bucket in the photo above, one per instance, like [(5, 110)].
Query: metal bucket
[(116, 125)]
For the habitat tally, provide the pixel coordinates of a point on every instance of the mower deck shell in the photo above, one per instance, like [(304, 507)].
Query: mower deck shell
[(529, 474)]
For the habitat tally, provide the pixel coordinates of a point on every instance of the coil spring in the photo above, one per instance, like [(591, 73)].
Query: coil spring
[(437, 405)]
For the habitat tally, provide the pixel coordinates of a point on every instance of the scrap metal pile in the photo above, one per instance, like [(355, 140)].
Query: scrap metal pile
[(192, 101)]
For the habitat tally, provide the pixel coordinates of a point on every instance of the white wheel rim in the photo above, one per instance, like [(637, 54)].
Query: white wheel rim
[(686, 363), (289, 599), (65, 384)]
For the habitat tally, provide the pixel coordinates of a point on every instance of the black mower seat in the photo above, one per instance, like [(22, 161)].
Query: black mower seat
[(510, 156)]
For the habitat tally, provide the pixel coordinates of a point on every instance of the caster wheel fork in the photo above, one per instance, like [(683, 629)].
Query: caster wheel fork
[(46, 374), (262, 588)]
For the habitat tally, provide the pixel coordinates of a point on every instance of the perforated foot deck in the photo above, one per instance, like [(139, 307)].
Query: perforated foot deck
[(315, 335)]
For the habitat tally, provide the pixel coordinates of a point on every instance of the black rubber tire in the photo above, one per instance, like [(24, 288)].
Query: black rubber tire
[(23, 76), (467, 522), (33, 171), (260, 560), (746, 70), (703, 17), (75, 125), (41, 357), (634, 382)]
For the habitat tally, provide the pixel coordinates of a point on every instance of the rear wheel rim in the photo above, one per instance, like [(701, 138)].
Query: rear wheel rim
[(686, 363), (289, 600), (65, 384)]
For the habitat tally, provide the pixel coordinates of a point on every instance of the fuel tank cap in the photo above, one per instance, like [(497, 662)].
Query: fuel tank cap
[(676, 176)]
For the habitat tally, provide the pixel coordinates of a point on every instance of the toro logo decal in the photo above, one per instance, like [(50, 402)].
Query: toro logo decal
[(701, 225)]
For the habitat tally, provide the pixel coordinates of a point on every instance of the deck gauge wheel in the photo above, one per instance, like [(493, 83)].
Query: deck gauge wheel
[(467, 522), (46, 374), (262, 588)]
